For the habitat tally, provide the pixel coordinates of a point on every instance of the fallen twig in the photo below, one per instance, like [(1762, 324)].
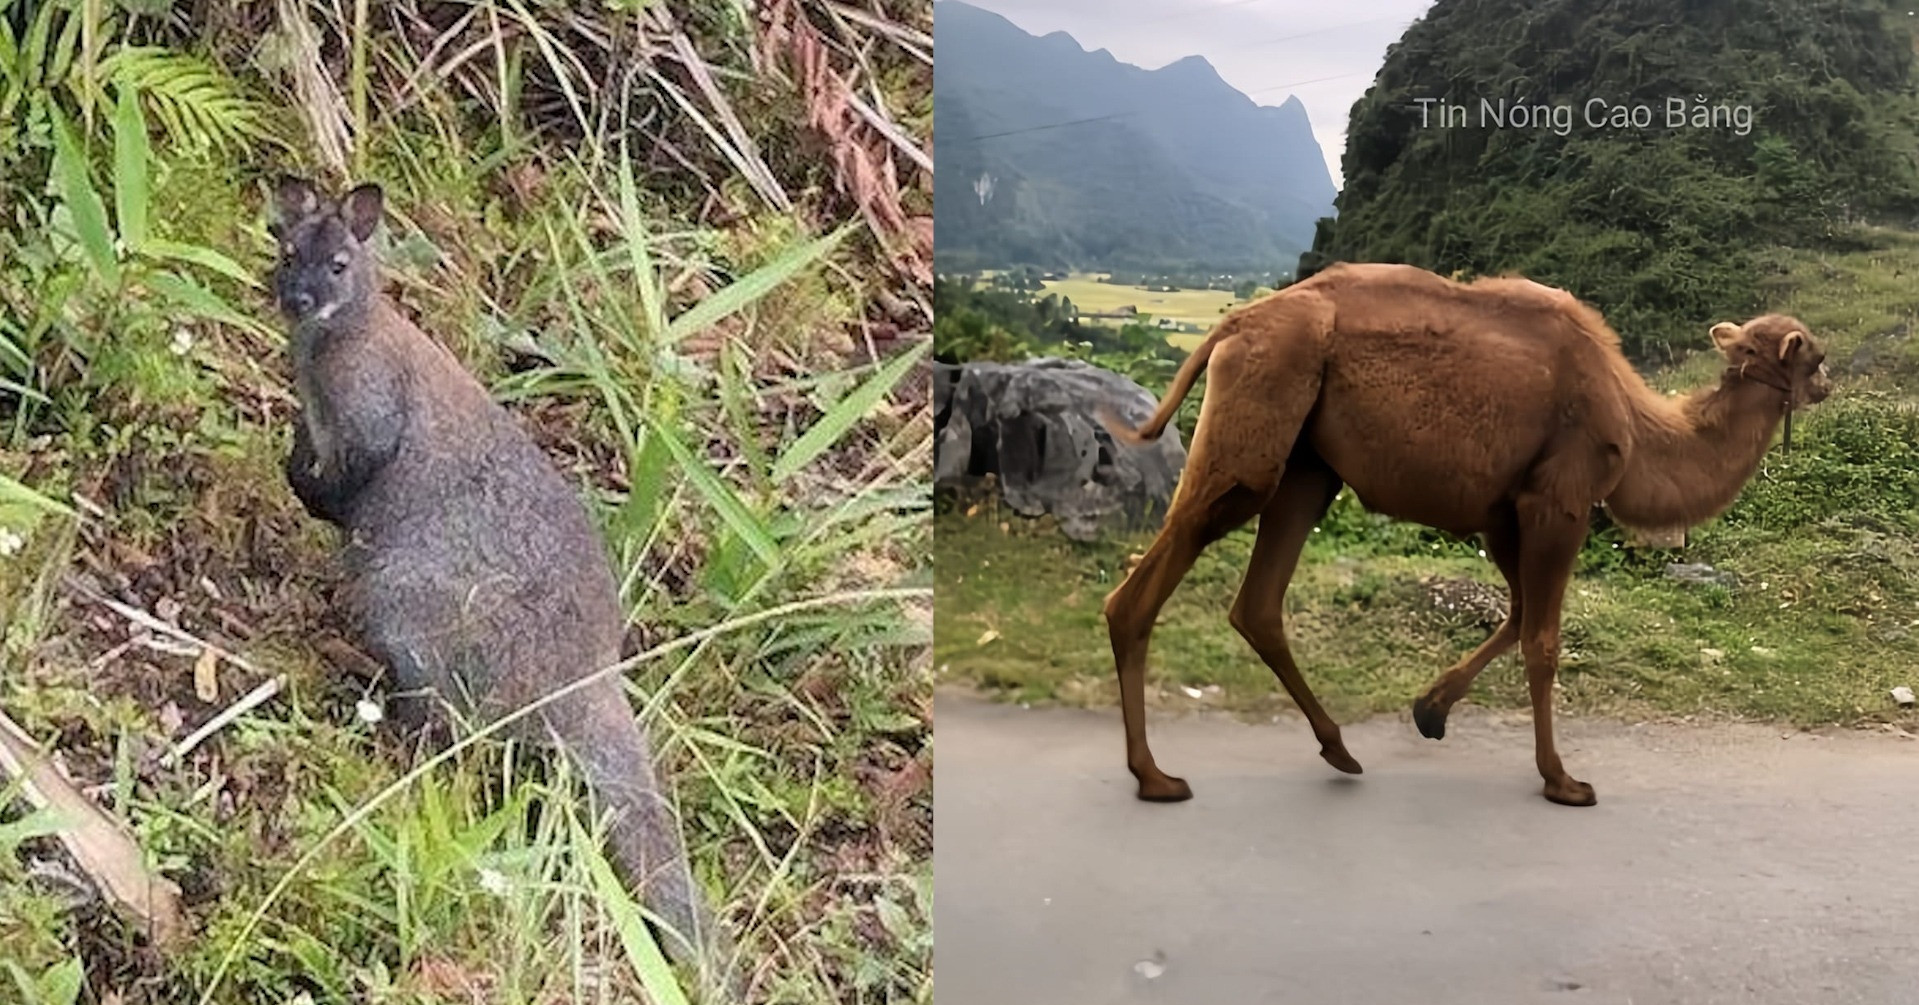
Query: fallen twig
[(741, 149), (148, 621), (252, 700), (912, 40), (893, 135)]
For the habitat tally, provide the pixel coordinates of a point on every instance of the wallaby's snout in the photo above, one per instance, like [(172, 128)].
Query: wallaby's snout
[(298, 304), (324, 266)]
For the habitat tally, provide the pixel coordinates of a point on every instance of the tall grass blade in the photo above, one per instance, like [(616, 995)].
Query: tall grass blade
[(641, 950), (845, 414), (202, 301), (77, 192), (130, 156), (753, 286), (633, 225), (157, 247), (16, 492), (731, 509), (638, 516), (736, 389)]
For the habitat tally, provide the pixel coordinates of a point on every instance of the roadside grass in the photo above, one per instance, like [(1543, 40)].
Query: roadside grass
[(1822, 621), (702, 364)]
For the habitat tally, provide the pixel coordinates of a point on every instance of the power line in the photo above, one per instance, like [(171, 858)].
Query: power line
[(1316, 31), (1036, 129), (1315, 80)]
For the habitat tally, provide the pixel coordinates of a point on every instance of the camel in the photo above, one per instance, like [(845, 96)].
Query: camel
[(1501, 407)]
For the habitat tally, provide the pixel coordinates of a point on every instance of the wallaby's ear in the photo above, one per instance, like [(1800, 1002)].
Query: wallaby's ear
[(1792, 343), (1725, 335), (361, 210), (293, 199)]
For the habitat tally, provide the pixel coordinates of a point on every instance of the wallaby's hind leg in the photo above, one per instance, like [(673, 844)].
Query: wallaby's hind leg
[(1431, 708), (1257, 398), (1260, 610)]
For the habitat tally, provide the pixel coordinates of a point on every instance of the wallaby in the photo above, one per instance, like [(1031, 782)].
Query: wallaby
[(477, 577)]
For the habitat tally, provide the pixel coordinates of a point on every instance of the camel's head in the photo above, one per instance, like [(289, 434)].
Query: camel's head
[(1776, 351)]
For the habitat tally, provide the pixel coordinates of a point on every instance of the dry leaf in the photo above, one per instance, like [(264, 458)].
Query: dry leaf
[(990, 635), (98, 843), (206, 680)]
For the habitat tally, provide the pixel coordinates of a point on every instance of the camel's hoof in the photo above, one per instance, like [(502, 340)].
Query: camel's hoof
[(1571, 793), (1339, 758), (1165, 789), (1430, 716)]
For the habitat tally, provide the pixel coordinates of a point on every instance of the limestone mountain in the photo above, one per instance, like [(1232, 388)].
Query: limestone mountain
[(1054, 156)]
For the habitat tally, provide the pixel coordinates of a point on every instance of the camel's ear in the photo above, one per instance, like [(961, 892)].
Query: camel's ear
[(1791, 344), (1725, 335)]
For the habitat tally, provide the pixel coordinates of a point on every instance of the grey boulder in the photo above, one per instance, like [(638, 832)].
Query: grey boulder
[(1034, 427)]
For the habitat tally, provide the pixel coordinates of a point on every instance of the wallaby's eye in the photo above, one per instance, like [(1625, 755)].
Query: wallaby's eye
[(339, 264)]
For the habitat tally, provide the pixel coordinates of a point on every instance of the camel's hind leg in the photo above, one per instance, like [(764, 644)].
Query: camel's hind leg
[(1260, 610), (1430, 710), (1202, 514), (1259, 392)]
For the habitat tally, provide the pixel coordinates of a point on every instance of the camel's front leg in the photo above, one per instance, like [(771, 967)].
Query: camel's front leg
[(1430, 709), (1548, 548)]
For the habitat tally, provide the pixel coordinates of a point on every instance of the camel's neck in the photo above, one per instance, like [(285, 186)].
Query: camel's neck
[(1690, 459)]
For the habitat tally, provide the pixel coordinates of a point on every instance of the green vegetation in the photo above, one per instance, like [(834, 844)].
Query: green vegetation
[(1824, 542), (656, 260), (1010, 324), (1662, 227)]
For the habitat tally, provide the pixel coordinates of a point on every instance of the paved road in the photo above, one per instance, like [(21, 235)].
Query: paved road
[(1721, 865)]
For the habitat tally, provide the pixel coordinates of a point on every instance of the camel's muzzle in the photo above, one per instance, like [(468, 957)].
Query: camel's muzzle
[(1818, 386)]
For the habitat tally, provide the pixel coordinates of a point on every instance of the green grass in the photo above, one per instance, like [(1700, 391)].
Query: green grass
[(689, 354), (1822, 623)]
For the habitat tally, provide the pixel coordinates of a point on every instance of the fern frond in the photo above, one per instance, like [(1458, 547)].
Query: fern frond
[(195, 103)]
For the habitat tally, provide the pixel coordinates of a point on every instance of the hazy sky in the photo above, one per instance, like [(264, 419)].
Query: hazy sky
[(1325, 53)]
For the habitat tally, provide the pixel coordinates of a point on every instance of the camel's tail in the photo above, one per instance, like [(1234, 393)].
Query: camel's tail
[(1169, 405)]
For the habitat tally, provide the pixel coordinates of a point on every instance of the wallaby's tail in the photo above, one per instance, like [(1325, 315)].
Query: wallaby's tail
[(644, 841), (1169, 405)]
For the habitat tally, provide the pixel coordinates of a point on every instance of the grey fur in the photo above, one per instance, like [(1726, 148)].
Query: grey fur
[(477, 576)]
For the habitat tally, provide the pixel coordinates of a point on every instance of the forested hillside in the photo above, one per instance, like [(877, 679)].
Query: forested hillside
[(1658, 224)]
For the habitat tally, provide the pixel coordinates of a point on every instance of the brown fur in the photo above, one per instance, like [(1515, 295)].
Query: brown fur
[(1501, 407)]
